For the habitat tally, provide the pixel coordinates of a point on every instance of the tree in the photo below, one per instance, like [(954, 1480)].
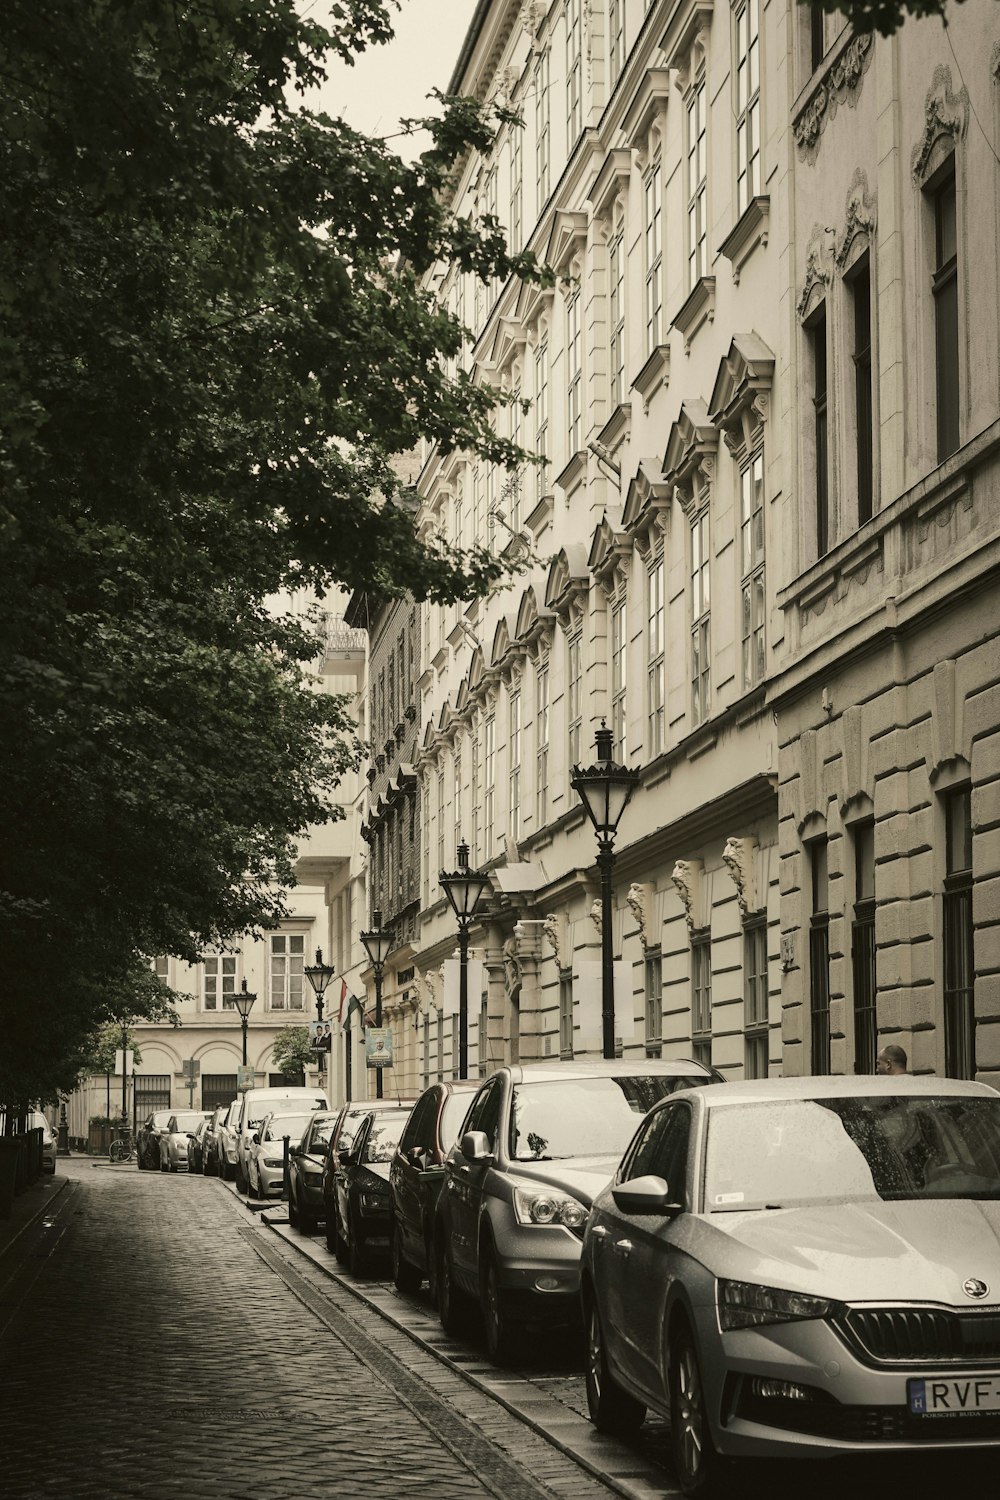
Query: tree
[(214, 341), (884, 16), (291, 1051)]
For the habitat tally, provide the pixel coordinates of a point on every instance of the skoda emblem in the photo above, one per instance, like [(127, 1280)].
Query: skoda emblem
[(974, 1287)]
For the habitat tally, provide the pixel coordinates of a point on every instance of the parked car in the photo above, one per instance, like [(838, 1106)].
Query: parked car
[(801, 1267), (416, 1175), (356, 1179), (210, 1144), (49, 1141), (266, 1161), (196, 1146), (538, 1143), (225, 1136), (253, 1106), (175, 1139), (147, 1140), (305, 1173)]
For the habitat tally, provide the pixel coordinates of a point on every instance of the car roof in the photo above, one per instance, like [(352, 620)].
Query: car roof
[(375, 1106), (763, 1090), (599, 1067)]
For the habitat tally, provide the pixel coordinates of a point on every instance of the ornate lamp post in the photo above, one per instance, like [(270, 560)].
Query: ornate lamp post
[(464, 889), (377, 945), (605, 789), (319, 975), (244, 1001)]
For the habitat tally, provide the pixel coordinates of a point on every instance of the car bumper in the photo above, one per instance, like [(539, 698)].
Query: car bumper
[(851, 1406), (311, 1194), (271, 1179), (538, 1269)]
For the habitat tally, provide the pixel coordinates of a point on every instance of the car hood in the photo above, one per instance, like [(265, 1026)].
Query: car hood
[(583, 1176), (920, 1251)]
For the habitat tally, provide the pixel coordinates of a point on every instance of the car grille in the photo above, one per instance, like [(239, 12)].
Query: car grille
[(867, 1424), (902, 1335)]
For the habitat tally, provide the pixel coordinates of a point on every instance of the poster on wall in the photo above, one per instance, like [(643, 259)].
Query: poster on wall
[(378, 1047)]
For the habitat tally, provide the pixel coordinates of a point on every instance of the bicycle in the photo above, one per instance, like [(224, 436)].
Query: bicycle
[(122, 1148)]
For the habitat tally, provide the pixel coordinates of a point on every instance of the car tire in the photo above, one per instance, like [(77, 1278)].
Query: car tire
[(340, 1245), (699, 1470), (307, 1221), (175, 1166), (612, 1410), (293, 1210), (432, 1270), (358, 1255), (405, 1276), (164, 1165), (501, 1331), (242, 1185), (452, 1304)]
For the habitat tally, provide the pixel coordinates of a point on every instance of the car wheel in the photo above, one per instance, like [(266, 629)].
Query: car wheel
[(452, 1307), (307, 1221), (405, 1276), (611, 1409), (340, 1247), (140, 1163), (174, 1166), (697, 1465), (164, 1165), (432, 1270), (357, 1254), (242, 1185), (502, 1333)]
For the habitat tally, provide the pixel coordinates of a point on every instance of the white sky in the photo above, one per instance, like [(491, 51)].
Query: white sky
[(389, 83)]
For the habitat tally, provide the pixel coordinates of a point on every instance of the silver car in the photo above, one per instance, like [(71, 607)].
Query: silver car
[(801, 1267), (174, 1140), (266, 1157), (537, 1143)]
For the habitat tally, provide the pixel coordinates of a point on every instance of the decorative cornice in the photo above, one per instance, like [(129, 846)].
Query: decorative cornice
[(750, 230), (839, 83), (739, 403), (698, 308), (611, 181), (819, 272), (609, 553), (568, 581), (859, 222), (688, 27), (647, 502), (654, 373), (689, 462), (946, 119), (647, 111)]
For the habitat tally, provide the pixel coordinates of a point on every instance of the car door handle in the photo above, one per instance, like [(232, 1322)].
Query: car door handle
[(599, 1232), (622, 1247)]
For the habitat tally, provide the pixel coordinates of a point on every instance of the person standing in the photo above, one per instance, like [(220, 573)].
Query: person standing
[(891, 1062)]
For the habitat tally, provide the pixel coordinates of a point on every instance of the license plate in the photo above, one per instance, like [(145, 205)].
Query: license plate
[(931, 1397)]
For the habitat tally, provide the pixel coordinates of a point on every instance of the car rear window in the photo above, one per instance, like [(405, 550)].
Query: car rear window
[(570, 1117)]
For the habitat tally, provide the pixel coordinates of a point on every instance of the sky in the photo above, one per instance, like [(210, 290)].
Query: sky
[(389, 83)]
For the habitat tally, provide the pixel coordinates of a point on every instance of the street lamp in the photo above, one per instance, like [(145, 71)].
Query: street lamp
[(605, 789), (319, 975), (377, 944), (464, 889), (244, 1000)]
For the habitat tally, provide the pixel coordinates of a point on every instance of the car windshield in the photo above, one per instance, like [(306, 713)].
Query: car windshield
[(321, 1133), (582, 1116), (352, 1123), (384, 1136), (290, 1125), (188, 1121), (783, 1154)]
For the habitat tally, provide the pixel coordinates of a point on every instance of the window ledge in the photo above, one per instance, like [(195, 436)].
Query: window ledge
[(574, 471), (654, 373), (749, 231), (698, 309)]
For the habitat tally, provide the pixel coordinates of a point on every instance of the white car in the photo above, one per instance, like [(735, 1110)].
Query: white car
[(266, 1160), (254, 1106), (174, 1140), (226, 1149)]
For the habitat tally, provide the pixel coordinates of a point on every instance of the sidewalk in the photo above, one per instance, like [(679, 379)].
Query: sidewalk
[(147, 1350)]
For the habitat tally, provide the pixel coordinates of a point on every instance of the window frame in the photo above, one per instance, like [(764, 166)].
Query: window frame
[(696, 187), (701, 996), (756, 1009), (819, 958), (652, 243), (700, 573), (747, 104), (753, 570), (289, 935), (958, 949), (652, 978), (656, 639)]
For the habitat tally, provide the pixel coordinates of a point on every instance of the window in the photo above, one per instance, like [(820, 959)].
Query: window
[(440, 820), (287, 957), (574, 373), (516, 189), (653, 251), (747, 105), (653, 984), (541, 412), (514, 768), (427, 1052), (475, 799), (959, 972), (697, 183), (426, 843), (566, 1013), (701, 997), (511, 492), (616, 310), (655, 647), (819, 959), (574, 697), (456, 796), (216, 1089), (752, 607), (616, 39), (542, 131), (619, 684), (817, 38), (661, 1150), (944, 286), (219, 981), (574, 70), (821, 435), (489, 774), (161, 966), (701, 599), (860, 288), (541, 742), (458, 512), (440, 1045), (152, 1091), (863, 948), (484, 1035), (755, 1032)]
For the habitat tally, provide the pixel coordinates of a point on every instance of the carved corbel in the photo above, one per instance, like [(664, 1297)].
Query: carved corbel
[(686, 876), (640, 900), (596, 916), (738, 858), (556, 930), (511, 967)]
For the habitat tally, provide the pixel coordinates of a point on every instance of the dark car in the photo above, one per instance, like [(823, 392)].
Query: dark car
[(356, 1179), (416, 1175), (210, 1145), (196, 1148), (537, 1146), (147, 1140), (305, 1174)]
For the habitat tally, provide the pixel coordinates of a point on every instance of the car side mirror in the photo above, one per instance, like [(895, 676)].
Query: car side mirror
[(255, 1138), (475, 1148), (415, 1156), (645, 1195)]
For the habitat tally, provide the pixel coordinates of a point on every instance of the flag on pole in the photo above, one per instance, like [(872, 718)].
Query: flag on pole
[(343, 997)]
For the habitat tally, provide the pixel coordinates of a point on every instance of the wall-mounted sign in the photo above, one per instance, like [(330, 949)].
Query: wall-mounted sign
[(378, 1047), (319, 1036), (244, 1077)]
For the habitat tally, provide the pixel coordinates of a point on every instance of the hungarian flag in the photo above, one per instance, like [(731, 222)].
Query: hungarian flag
[(343, 997)]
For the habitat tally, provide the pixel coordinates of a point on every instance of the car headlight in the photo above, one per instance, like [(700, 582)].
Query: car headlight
[(543, 1207), (744, 1304), (274, 1161), (373, 1203)]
